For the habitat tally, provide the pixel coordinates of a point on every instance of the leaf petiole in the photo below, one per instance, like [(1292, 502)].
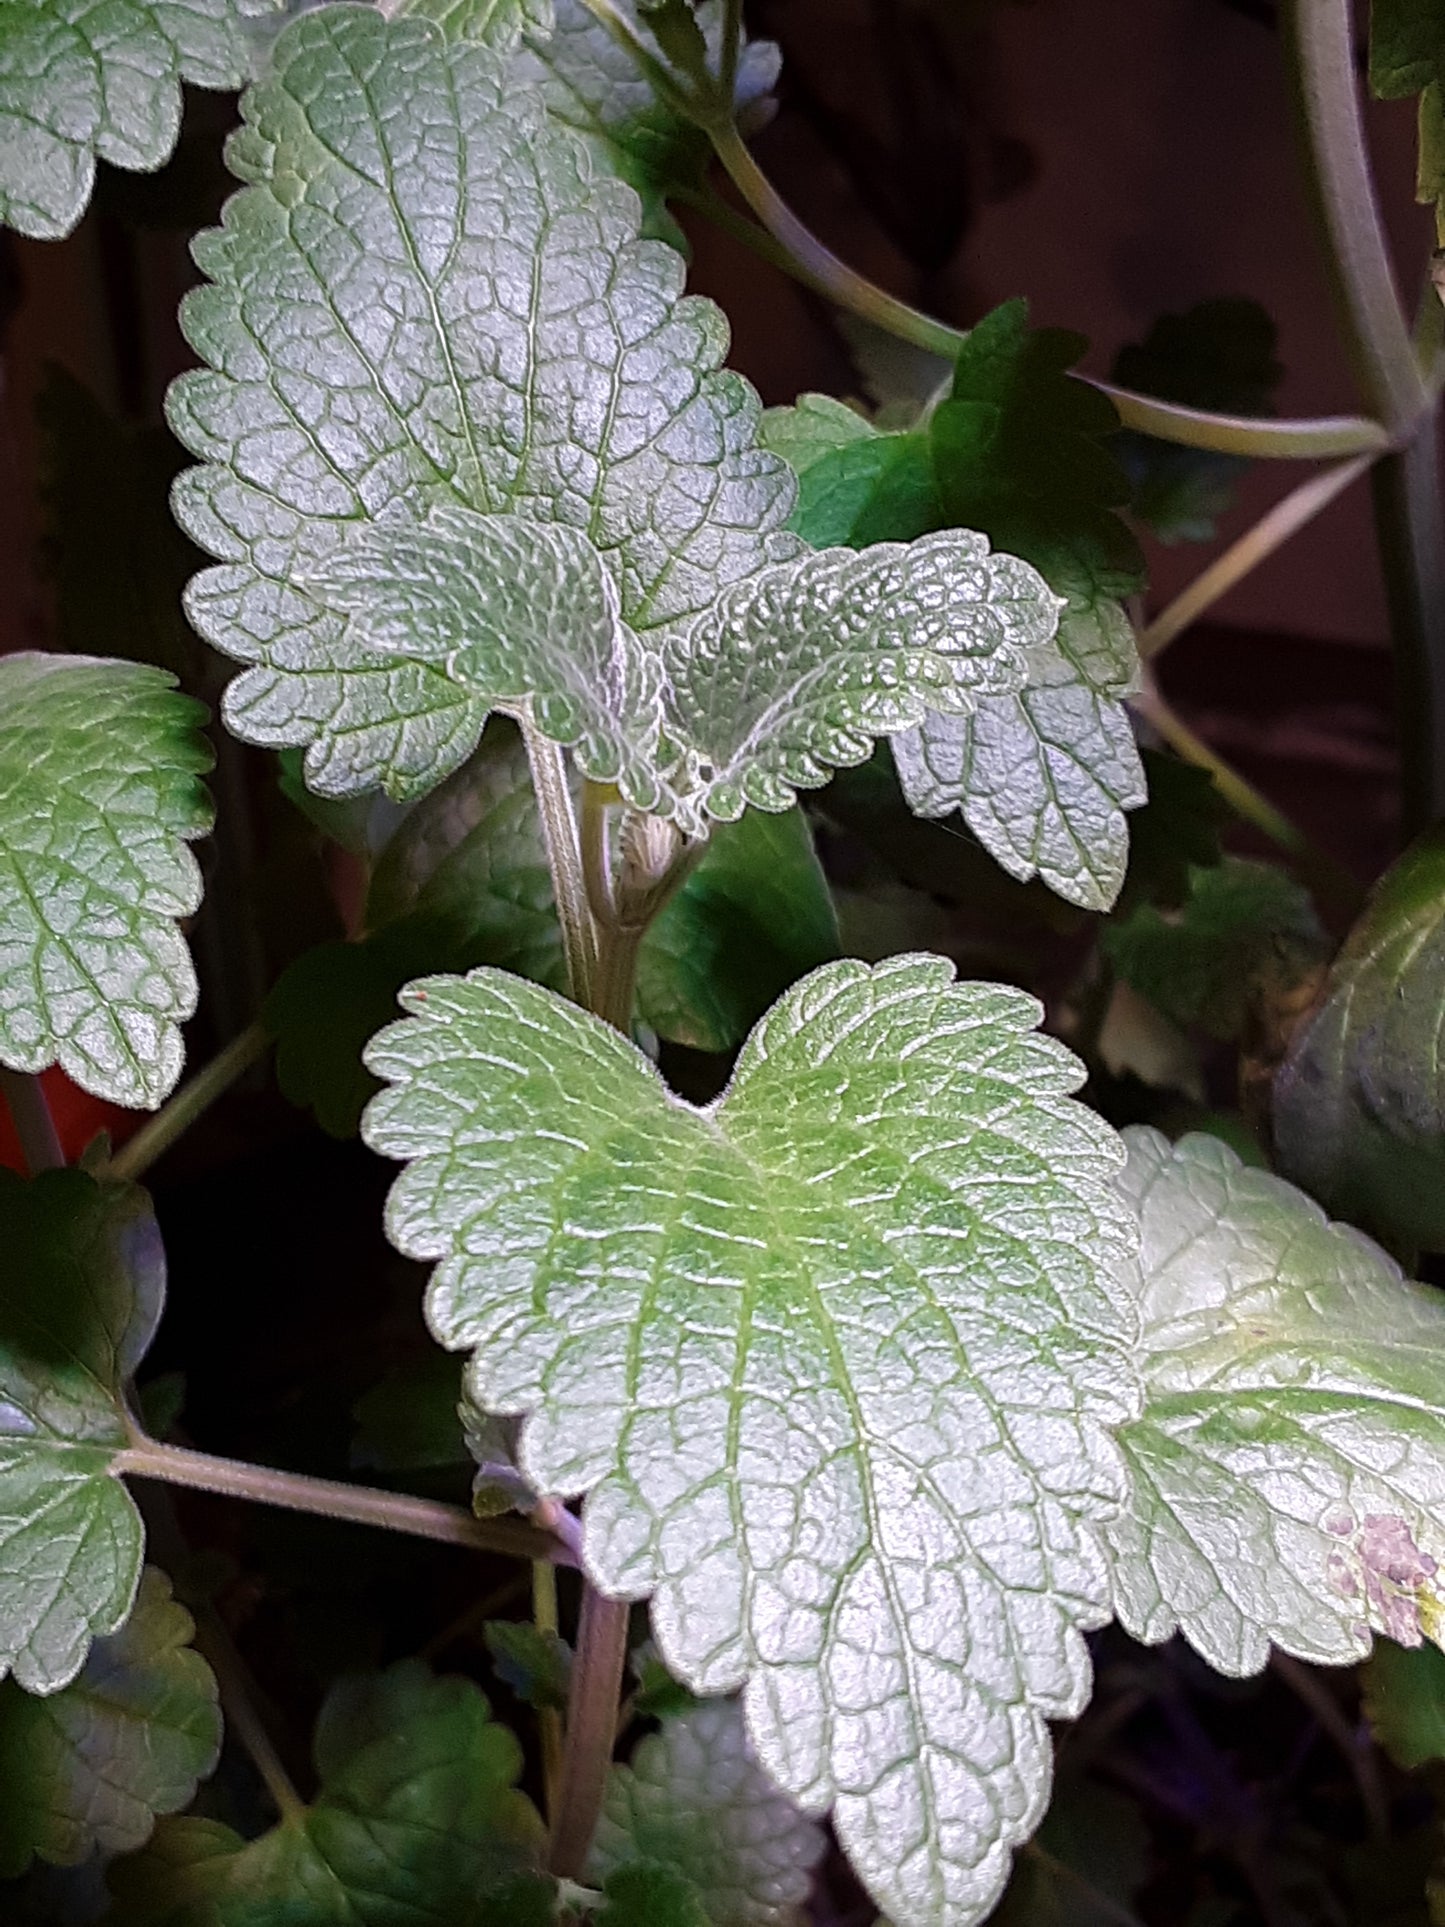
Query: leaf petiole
[(195, 1097), (453, 1525), (564, 859)]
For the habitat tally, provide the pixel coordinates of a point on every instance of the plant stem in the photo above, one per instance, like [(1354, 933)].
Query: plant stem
[(194, 1097), (564, 859), (549, 1724), (215, 1645), (597, 855), (732, 43), (1335, 885), (34, 1126), (819, 268), (1387, 366), (452, 1525), (1269, 533), (597, 1670)]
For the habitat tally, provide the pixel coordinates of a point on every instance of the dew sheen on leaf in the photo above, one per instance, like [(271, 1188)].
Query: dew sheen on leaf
[(834, 1360)]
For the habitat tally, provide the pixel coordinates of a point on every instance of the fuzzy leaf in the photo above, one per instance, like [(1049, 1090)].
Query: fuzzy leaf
[(81, 78), (547, 368), (85, 1279), (642, 1894), (1359, 1104), (695, 1801), (835, 1360), (89, 1769), (1017, 449), (1289, 1469), (495, 23), (418, 1819), (813, 427), (796, 672), (536, 1665), (99, 794), (1244, 929)]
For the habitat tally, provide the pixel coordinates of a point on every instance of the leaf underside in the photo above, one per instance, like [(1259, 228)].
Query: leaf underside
[(89, 1769), (1288, 1473), (834, 1361), (87, 78), (694, 1800), (418, 1819), (99, 794), (84, 1285)]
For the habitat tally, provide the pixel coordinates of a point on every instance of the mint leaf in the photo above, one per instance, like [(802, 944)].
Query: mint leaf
[(79, 80), (408, 1421), (495, 23), (837, 1386), (1043, 776), (1359, 1104), (418, 1818), (796, 671), (88, 1769), (85, 1280), (585, 398), (1219, 355), (1289, 1468), (1407, 41), (813, 427), (695, 1801), (753, 916), (644, 1895), (1246, 929), (1403, 1690), (99, 794)]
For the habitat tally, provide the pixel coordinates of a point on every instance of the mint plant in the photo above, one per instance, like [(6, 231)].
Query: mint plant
[(827, 1354)]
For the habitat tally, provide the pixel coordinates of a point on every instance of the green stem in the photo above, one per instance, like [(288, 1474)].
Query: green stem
[(34, 1126), (194, 1097), (453, 1525), (549, 1724), (597, 1671), (1269, 533), (243, 1722), (1387, 366), (819, 268), (564, 859), (732, 44)]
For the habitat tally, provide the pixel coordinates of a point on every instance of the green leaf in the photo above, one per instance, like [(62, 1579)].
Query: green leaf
[(643, 1895), (659, 1696), (1289, 1469), (834, 1360), (754, 916), (1404, 1701), (79, 80), (695, 1801), (536, 1665), (813, 427), (1043, 776), (89, 1769), (85, 1280), (796, 671), (99, 794), (1244, 930), (1220, 356), (418, 1819), (1359, 1104), (588, 396), (495, 23), (408, 1421), (1407, 44), (1177, 831), (594, 87)]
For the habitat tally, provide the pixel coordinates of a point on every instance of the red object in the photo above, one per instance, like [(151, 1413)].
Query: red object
[(78, 1118)]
